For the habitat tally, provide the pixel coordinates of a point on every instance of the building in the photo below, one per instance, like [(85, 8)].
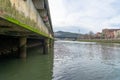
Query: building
[(117, 34), (98, 35), (110, 33)]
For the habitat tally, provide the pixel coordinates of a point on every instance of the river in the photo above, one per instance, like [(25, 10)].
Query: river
[(86, 61), (35, 67), (72, 61)]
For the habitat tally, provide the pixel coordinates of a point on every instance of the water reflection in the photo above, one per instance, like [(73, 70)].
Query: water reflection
[(86, 61), (36, 67)]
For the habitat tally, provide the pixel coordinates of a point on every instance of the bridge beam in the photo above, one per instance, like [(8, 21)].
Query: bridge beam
[(22, 47)]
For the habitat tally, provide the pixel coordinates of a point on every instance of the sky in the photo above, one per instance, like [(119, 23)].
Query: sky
[(82, 16)]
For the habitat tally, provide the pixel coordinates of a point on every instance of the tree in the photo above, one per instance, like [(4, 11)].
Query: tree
[(91, 35)]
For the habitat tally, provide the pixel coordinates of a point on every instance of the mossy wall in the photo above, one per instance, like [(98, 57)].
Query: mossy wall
[(25, 16)]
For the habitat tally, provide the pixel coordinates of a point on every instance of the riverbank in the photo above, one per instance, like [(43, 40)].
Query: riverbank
[(101, 41)]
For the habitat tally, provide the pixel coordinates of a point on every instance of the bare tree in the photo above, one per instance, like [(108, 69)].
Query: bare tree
[(91, 35)]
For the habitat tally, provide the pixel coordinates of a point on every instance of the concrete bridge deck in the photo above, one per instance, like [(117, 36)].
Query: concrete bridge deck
[(25, 20)]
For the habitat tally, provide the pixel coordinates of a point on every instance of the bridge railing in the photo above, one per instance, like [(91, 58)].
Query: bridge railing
[(24, 12)]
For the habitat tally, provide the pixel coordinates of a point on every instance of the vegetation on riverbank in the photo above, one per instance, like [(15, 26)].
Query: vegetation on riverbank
[(101, 41)]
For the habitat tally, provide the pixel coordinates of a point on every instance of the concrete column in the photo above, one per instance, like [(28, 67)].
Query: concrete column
[(50, 43), (22, 47), (45, 46)]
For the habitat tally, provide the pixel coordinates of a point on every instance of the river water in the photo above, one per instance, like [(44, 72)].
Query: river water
[(35, 67), (86, 61), (72, 61)]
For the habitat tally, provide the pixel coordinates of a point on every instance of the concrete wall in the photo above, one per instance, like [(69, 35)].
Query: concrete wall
[(28, 9), (25, 12)]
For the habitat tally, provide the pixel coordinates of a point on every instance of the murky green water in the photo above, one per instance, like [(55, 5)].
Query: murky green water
[(36, 67), (72, 61), (86, 61)]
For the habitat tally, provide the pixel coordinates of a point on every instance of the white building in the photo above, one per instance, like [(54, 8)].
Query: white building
[(117, 34)]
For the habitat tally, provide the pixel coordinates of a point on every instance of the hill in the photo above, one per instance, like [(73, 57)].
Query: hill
[(62, 34)]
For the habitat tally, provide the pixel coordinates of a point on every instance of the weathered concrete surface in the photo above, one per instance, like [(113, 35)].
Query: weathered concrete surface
[(25, 19), (31, 15), (22, 47)]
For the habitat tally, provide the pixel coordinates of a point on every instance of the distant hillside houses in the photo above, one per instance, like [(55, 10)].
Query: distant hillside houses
[(108, 34), (105, 34)]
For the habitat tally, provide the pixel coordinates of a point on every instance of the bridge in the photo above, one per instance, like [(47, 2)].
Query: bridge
[(24, 23)]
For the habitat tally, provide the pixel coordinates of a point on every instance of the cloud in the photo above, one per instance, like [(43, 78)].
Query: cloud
[(85, 15)]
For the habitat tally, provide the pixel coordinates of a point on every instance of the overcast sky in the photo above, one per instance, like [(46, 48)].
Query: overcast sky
[(84, 15)]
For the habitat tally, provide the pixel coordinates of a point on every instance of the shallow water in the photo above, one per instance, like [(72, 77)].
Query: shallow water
[(35, 67), (86, 61)]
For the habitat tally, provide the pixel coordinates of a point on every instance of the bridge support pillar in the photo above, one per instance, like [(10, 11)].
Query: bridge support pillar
[(45, 46), (52, 43), (22, 47)]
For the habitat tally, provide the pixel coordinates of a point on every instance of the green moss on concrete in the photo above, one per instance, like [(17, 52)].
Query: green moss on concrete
[(14, 16), (26, 26)]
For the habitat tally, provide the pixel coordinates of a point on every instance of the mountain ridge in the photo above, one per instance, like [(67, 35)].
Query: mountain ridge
[(63, 34)]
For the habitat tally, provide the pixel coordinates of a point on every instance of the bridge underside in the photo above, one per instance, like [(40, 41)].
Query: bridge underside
[(11, 29), (24, 23), (15, 39)]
